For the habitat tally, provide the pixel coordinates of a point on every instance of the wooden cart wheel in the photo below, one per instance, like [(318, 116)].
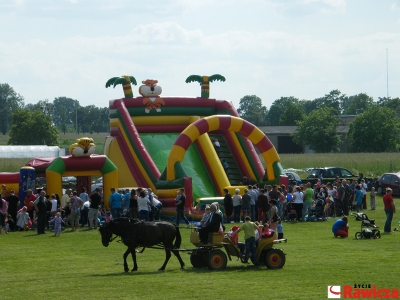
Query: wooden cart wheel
[(275, 259), (198, 259), (216, 260)]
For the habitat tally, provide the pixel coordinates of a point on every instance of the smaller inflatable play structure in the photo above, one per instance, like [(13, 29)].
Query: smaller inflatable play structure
[(82, 163)]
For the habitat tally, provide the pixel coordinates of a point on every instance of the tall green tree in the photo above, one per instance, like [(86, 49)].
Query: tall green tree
[(307, 106), (331, 100), (88, 116), (32, 128), (292, 114), (62, 119), (64, 111), (354, 105), (10, 101), (252, 110), (319, 131), (375, 130), (393, 103), (278, 108), (101, 120), (45, 106)]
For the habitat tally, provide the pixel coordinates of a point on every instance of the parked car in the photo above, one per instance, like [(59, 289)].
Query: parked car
[(66, 179), (330, 172), (97, 184), (391, 180), (293, 176)]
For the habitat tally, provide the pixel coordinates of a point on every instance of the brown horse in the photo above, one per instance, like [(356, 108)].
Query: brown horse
[(135, 233)]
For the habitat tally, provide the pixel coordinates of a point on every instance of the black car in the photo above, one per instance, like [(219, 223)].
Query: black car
[(330, 172)]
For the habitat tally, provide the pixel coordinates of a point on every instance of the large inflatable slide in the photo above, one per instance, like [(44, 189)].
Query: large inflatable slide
[(168, 143)]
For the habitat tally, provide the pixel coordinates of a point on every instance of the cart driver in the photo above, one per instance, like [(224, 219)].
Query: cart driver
[(213, 224), (250, 239)]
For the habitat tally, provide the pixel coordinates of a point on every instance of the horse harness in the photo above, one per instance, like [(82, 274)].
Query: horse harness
[(132, 238)]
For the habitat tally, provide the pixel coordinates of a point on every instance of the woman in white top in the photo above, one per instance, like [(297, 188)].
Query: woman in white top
[(331, 191), (237, 205), (143, 207), (298, 202)]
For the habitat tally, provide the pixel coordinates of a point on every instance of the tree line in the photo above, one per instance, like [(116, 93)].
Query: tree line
[(375, 128), (39, 123)]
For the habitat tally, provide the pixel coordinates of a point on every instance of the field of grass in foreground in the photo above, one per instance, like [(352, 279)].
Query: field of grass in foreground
[(77, 266)]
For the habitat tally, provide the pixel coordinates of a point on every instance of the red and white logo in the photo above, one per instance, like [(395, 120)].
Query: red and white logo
[(334, 291)]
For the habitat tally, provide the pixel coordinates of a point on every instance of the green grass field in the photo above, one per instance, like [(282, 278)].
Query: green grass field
[(77, 266), (370, 164)]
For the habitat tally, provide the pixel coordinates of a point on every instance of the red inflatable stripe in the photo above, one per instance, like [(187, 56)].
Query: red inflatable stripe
[(202, 125), (247, 128), (224, 122), (264, 145), (184, 141)]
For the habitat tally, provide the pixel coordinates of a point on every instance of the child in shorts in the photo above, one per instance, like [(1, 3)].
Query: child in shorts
[(279, 228), (372, 199)]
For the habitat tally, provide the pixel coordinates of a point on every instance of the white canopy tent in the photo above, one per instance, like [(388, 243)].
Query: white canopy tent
[(30, 151)]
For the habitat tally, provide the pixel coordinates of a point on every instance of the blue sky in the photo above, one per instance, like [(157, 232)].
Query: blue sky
[(303, 48)]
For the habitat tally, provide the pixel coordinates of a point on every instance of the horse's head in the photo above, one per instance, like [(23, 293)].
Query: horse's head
[(106, 234)]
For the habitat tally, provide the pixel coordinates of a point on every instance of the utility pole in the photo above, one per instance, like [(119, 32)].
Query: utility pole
[(387, 73), (76, 117)]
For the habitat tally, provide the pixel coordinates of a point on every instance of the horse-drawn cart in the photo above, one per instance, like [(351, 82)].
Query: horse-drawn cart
[(165, 236), (212, 256)]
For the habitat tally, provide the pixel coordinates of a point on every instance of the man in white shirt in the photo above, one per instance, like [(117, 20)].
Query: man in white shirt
[(364, 188)]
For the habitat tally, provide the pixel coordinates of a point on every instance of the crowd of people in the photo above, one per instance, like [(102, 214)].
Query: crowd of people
[(268, 205), (43, 212)]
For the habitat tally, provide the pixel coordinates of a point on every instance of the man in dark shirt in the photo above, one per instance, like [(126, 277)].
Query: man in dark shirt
[(180, 207), (213, 224), (13, 204), (274, 194), (93, 213), (341, 196), (248, 181), (263, 206)]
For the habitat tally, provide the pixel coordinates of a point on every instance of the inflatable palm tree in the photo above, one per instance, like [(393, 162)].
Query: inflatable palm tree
[(126, 84), (205, 82)]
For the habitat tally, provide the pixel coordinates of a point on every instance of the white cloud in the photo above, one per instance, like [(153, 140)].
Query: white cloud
[(394, 6), (163, 32), (328, 6), (271, 58)]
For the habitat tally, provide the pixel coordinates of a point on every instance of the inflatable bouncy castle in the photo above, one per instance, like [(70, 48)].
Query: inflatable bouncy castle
[(200, 144)]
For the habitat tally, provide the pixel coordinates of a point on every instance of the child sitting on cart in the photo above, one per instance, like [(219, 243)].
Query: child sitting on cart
[(205, 218), (235, 239), (266, 231)]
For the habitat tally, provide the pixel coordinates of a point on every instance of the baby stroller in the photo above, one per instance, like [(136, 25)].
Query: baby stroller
[(291, 214), (368, 228), (317, 213)]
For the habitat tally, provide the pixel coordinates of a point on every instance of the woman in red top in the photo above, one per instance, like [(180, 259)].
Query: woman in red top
[(390, 209)]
